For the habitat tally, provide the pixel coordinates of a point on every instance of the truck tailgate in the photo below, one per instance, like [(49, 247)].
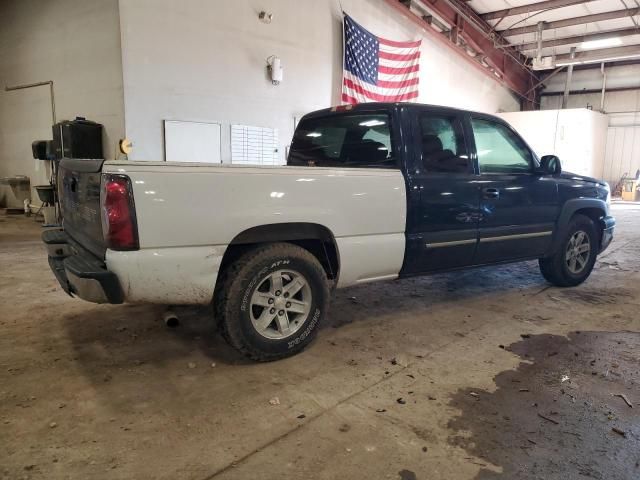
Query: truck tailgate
[(79, 191)]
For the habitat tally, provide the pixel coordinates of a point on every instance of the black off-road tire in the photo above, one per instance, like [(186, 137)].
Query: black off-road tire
[(240, 280), (555, 269)]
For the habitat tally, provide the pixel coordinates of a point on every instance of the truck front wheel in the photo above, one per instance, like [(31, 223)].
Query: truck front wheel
[(572, 263), (271, 300)]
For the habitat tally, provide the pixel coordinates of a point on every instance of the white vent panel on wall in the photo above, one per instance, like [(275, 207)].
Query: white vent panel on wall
[(191, 141), (254, 145)]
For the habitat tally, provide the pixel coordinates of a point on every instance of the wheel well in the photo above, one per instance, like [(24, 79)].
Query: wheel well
[(594, 214), (314, 238)]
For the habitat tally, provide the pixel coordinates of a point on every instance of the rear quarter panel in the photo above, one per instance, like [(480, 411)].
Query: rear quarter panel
[(188, 213)]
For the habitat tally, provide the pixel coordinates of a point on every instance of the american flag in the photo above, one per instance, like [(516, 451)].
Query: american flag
[(376, 69)]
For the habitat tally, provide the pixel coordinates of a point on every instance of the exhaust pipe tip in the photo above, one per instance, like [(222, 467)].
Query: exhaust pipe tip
[(171, 320)]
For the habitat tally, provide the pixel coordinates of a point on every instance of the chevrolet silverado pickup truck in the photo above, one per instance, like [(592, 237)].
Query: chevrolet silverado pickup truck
[(370, 192)]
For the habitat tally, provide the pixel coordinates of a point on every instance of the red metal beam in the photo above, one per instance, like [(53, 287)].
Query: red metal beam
[(513, 74), (532, 7)]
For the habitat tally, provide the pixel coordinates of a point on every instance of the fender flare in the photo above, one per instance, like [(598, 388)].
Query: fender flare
[(569, 208), (292, 232)]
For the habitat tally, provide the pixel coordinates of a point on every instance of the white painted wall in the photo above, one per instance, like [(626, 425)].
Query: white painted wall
[(203, 60), (576, 136), (75, 43), (623, 153)]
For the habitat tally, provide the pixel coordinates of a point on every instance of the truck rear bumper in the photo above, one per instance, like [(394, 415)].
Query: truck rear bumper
[(80, 274), (608, 225)]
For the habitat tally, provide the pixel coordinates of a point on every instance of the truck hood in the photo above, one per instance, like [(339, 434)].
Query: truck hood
[(569, 176)]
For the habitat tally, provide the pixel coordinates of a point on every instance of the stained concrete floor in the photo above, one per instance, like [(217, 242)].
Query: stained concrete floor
[(496, 375)]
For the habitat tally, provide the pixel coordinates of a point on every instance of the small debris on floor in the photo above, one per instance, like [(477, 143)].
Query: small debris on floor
[(401, 360), (301, 416), (274, 401), (345, 427), (191, 365), (424, 449), (213, 365), (623, 397), (407, 475), (549, 419), (525, 335), (53, 425), (474, 394), (619, 431), (401, 401), (523, 390), (381, 410)]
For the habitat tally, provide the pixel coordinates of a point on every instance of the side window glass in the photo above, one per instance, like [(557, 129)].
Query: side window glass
[(344, 141), (499, 149), (442, 144)]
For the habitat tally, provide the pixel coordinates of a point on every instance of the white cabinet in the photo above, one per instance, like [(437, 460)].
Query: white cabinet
[(577, 136)]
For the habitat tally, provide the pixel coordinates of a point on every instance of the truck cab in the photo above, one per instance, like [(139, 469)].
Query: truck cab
[(477, 194)]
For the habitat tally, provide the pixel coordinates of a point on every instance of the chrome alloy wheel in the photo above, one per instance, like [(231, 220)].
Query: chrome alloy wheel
[(578, 251), (280, 304)]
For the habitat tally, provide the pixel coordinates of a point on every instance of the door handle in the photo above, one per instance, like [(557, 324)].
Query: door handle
[(491, 193)]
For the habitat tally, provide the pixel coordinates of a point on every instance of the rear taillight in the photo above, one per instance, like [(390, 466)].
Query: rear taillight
[(119, 225)]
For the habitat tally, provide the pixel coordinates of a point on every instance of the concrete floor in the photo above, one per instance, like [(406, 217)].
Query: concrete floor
[(496, 375)]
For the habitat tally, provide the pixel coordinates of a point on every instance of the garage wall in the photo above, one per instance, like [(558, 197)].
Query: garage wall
[(204, 61), (622, 153), (577, 136), (75, 43)]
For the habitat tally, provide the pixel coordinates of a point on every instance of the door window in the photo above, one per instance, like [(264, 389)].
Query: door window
[(352, 141), (442, 144), (499, 149)]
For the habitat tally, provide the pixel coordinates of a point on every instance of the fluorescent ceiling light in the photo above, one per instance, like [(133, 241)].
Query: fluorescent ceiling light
[(603, 43), (314, 134)]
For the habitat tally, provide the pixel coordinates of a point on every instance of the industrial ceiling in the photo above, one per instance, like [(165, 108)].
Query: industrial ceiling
[(519, 42)]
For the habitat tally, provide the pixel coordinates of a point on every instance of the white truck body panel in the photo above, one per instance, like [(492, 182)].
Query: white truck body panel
[(184, 225)]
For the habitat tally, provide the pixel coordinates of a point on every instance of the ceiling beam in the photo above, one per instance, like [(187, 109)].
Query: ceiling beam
[(568, 22), (600, 55), (468, 29), (621, 32), (532, 7), (618, 63), (591, 91)]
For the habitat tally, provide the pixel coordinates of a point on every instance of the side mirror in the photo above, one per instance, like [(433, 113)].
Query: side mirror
[(550, 165)]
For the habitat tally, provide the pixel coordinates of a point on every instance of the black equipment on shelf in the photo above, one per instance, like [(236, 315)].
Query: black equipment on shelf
[(79, 138)]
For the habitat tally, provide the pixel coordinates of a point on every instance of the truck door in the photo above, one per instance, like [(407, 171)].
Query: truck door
[(518, 205), (442, 193)]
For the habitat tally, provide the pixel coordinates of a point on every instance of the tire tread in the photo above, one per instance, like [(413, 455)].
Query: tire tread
[(230, 284)]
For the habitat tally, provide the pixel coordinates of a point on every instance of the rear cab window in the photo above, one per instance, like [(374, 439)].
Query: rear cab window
[(442, 144), (357, 140)]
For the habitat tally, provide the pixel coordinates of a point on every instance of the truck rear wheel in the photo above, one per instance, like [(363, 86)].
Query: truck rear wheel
[(271, 300), (572, 263)]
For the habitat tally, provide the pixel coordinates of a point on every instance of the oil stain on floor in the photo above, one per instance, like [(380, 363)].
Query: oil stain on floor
[(570, 410)]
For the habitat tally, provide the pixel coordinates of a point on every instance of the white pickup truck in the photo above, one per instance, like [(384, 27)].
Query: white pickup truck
[(372, 192)]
